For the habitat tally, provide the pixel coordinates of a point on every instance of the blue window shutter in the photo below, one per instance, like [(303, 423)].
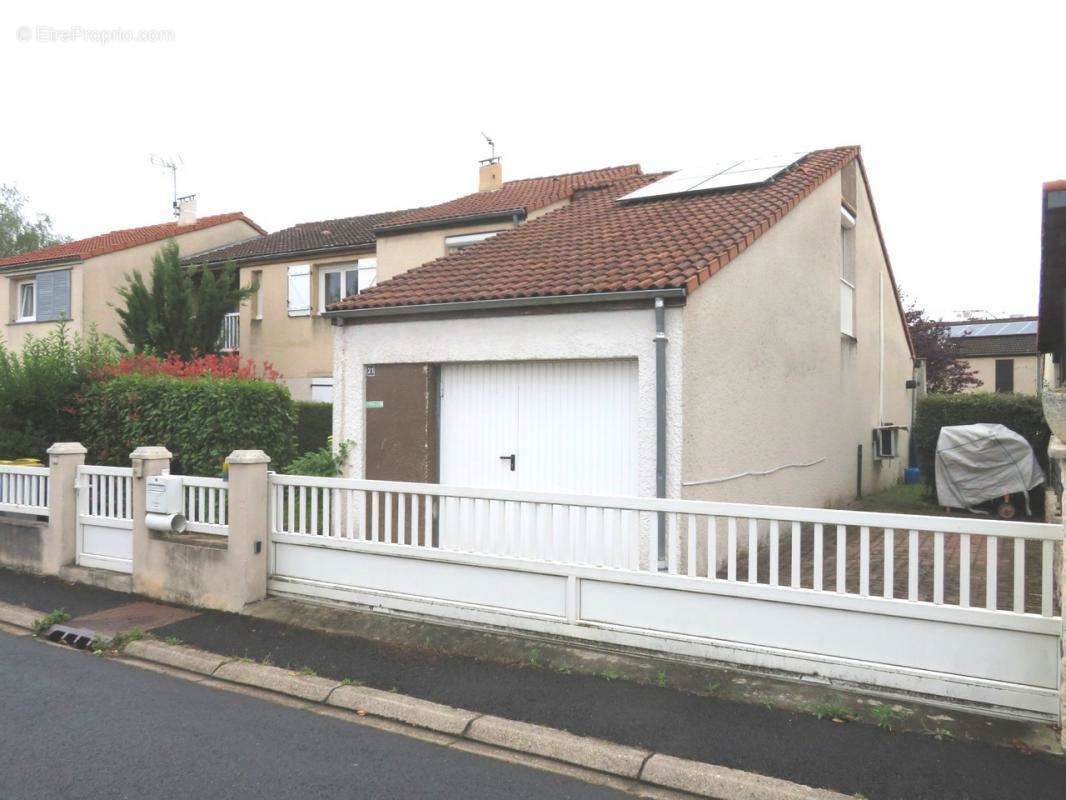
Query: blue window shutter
[(45, 293), (53, 295), (61, 295)]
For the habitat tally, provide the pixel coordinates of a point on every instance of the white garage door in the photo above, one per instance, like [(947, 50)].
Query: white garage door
[(571, 426)]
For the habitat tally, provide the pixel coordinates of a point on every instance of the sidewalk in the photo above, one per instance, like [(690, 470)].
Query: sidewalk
[(851, 758)]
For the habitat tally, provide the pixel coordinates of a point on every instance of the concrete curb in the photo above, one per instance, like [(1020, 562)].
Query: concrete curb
[(19, 616), (709, 780), (276, 679), (410, 710), (179, 656), (631, 763), (583, 751)]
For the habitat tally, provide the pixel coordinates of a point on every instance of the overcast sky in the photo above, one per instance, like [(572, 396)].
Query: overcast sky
[(312, 110)]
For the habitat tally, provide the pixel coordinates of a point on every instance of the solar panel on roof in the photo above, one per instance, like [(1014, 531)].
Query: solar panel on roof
[(723, 175), (1009, 328)]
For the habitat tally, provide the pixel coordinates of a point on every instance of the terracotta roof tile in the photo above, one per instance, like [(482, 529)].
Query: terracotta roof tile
[(1017, 345), (526, 195), (597, 244), (119, 240), (306, 237)]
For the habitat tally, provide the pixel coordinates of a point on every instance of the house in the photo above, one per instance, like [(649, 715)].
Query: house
[(302, 269), (297, 270), (1051, 319), (1001, 352), (78, 281), (732, 333)]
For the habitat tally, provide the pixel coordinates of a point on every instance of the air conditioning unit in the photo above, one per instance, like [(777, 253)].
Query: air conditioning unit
[(886, 441)]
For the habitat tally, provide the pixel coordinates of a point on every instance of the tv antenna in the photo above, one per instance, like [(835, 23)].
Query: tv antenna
[(493, 158), (172, 164)]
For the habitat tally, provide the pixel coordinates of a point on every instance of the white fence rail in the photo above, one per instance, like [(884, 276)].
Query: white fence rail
[(24, 490), (206, 502), (958, 610), (951, 561)]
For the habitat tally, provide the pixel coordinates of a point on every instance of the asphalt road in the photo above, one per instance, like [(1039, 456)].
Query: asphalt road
[(77, 725)]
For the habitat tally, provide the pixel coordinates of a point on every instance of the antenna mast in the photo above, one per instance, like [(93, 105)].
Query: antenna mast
[(172, 165), (493, 158)]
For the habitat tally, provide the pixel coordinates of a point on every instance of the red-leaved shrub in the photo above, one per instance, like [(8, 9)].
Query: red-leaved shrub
[(208, 366)]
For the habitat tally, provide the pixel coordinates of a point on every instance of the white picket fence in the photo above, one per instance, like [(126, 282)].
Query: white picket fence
[(774, 545), (955, 608), (24, 490), (206, 505)]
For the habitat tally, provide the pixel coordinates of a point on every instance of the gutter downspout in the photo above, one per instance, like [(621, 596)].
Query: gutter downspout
[(660, 421)]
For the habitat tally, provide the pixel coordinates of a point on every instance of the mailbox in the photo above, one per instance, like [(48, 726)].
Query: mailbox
[(163, 504)]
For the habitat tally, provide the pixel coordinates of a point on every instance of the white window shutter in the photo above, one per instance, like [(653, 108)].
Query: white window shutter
[(300, 290)]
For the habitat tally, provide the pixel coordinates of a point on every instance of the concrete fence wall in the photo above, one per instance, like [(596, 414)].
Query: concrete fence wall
[(227, 572), (224, 572)]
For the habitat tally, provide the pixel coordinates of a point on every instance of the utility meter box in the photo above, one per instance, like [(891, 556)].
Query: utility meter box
[(163, 494)]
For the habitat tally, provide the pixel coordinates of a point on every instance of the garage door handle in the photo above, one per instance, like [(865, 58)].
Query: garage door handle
[(509, 458)]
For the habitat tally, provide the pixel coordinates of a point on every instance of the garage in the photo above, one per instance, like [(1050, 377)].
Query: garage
[(552, 426)]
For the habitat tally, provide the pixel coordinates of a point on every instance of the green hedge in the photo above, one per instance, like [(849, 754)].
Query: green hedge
[(314, 425), (40, 386), (1021, 413), (200, 421)]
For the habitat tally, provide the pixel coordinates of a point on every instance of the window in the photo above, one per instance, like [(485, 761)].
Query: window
[(44, 298), (257, 301), (27, 302), (847, 271), (300, 290), (453, 244), (336, 283), (322, 390), (1005, 375)]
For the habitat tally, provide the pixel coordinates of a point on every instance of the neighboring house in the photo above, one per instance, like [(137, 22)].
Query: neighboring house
[(302, 269), (78, 281), (581, 353), (297, 270), (1001, 352), (1051, 322)]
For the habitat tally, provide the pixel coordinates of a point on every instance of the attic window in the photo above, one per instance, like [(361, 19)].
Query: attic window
[(453, 244)]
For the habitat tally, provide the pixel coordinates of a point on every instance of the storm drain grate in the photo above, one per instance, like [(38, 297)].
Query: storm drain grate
[(75, 637)]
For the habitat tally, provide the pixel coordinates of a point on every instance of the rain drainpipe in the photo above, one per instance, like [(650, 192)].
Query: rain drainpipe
[(660, 420)]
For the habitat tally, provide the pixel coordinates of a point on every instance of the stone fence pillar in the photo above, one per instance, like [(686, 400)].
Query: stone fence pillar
[(59, 546), (248, 512), (1057, 452), (146, 462)]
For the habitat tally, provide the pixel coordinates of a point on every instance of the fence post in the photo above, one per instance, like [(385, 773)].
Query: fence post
[(1057, 453), (248, 530), (59, 547), (146, 462)]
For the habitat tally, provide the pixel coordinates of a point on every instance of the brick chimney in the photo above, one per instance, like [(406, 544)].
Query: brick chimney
[(490, 175), (187, 210)]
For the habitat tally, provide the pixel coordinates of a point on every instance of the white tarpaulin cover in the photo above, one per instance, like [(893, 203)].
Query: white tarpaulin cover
[(975, 463)]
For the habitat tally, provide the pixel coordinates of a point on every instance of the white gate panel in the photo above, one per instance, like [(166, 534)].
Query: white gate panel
[(105, 518), (559, 426)]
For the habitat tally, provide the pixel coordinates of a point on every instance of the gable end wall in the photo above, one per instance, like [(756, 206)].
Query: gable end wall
[(768, 378)]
